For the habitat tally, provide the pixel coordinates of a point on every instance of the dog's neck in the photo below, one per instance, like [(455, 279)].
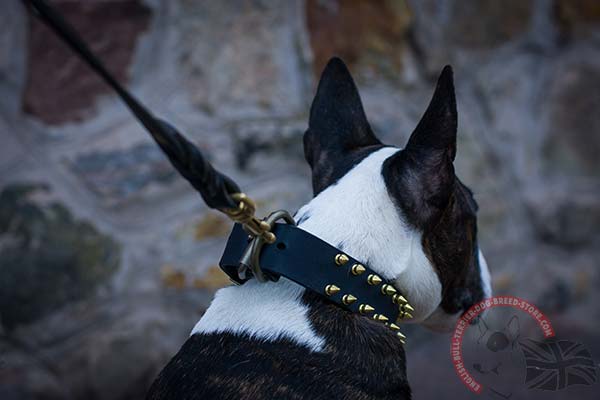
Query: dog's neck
[(356, 221), (358, 216)]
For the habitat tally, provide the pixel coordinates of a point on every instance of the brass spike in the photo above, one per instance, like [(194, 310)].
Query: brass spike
[(380, 318), (373, 279), (407, 307), (331, 290), (341, 259), (401, 337), (388, 290), (358, 269), (393, 327), (399, 299), (365, 308), (348, 299), (404, 314)]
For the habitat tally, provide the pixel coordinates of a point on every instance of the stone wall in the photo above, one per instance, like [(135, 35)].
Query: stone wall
[(107, 258)]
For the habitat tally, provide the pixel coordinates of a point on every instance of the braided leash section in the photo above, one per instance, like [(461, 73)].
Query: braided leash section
[(217, 190)]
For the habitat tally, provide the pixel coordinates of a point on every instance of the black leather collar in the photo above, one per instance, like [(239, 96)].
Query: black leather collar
[(322, 268)]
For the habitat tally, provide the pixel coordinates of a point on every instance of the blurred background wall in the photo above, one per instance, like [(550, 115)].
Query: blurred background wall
[(108, 258)]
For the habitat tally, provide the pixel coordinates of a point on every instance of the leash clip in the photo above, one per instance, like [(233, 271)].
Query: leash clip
[(260, 232), (244, 214)]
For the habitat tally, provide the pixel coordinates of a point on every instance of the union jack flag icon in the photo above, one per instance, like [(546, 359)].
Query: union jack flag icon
[(557, 365)]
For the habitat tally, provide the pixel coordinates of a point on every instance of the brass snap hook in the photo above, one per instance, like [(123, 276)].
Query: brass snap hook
[(259, 230), (244, 214)]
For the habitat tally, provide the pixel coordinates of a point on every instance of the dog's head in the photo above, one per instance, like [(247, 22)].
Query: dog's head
[(403, 212)]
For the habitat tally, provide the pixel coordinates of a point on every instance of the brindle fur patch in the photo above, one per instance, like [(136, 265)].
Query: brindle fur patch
[(364, 361)]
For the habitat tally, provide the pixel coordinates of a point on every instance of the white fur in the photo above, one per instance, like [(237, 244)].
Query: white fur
[(267, 311), (359, 214), (486, 279)]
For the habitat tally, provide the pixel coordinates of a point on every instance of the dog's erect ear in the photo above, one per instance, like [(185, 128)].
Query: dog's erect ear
[(425, 166), (337, 120), (435, 135)]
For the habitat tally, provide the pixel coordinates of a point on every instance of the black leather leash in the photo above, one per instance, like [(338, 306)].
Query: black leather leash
[(265, 248), (216, 188)]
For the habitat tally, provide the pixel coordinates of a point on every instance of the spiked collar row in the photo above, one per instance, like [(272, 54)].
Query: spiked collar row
[(324, 269)]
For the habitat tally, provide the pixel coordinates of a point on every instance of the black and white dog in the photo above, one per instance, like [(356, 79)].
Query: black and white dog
[(403, 212)]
